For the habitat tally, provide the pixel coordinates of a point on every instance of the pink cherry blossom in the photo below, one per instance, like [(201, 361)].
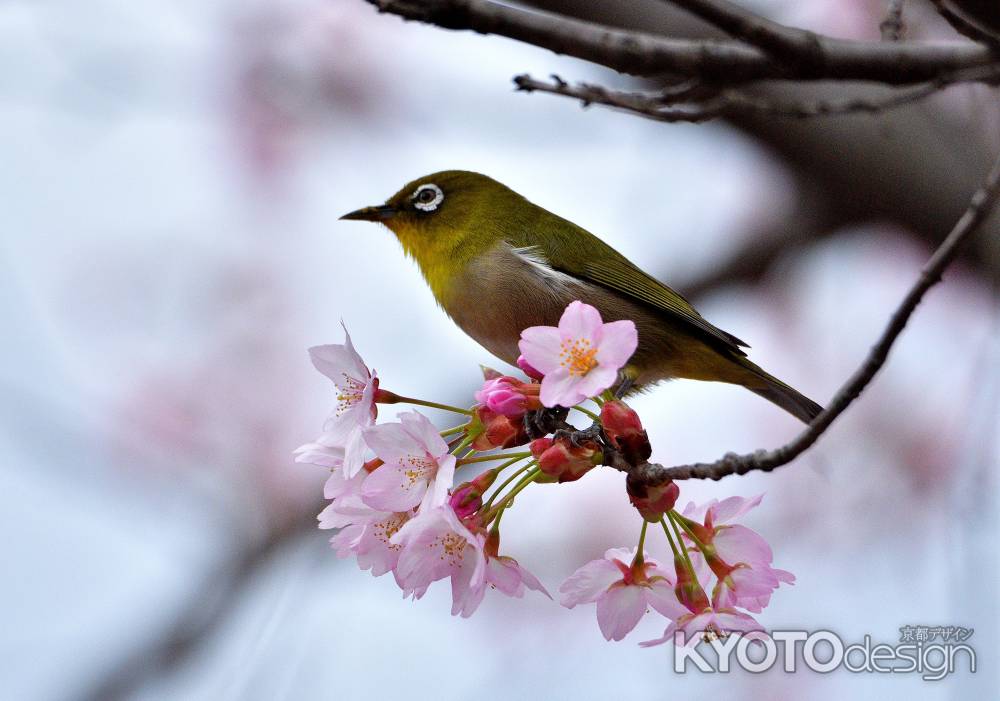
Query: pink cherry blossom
[(371, 540), (435, 545), (712, 622), (739, 556), (502, 573), (356, 386), (323, 452), (581, 357), (418, 468), (622, 591), (749, 587)]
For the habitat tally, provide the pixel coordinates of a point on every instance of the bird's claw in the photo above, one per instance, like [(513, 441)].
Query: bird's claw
[(577, 437), (542, 422)]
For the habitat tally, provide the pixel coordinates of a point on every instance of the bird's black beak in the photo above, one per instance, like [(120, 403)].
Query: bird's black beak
[(379, 212)]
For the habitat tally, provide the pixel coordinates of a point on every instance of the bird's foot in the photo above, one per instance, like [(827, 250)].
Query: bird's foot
[(542, 422), (577, 437), (626, 384)]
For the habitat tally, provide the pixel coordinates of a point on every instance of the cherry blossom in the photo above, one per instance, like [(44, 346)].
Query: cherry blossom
[(418, 468), (436, 545), (356, 386), (711, 622), (581, 357), (622, 591), (739, 556)]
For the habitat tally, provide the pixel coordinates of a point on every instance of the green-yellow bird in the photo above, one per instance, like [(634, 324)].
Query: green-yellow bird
[(498, 264)]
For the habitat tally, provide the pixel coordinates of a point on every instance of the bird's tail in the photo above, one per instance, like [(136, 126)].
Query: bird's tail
[(774, 390)]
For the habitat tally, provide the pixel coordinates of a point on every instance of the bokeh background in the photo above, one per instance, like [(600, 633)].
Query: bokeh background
[(172, 173)]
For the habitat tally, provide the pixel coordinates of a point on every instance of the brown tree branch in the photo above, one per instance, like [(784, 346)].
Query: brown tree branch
[(965, 26), (663, 105), (980, 207), (729, 62), (784, 43)]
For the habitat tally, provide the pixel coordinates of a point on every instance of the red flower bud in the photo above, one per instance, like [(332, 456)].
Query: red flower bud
[(689, 591), (561, 461), (492, 430), (653, 502), (624, 430)]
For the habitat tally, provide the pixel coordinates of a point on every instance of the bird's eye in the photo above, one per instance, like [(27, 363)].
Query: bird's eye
[(426, 198)]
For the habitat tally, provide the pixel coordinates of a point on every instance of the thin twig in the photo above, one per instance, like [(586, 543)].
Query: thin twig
[(784, 43), (892, 26), (669, 108), (966, 27), (724, 62), (980, 206)]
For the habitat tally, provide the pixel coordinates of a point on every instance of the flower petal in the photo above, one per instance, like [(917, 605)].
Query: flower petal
[(424, 432), (619, 610), (389, 488), (734, 507), (579, 321), (339, 362), (559, 388), (540, 346), (504, 574), (392, 443), (661, 596), (738, 543), (588, 582), (437, 493), (619, 339), (596, 381)]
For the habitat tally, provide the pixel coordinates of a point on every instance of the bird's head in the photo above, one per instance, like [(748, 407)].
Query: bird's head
[(446, 217)]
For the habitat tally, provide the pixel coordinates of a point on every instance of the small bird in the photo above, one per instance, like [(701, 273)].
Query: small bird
[(498, 264)]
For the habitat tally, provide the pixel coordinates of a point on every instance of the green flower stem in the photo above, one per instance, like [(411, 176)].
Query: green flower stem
[(670, 537), (642, 542), (673, 521), (506, 501), (510, 479), (499, 456), (462, 445), (453, 430), (687, 529), (589, 413), (434, 405)]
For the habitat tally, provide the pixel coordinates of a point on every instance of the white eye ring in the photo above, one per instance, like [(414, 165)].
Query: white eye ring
[(429, 205)]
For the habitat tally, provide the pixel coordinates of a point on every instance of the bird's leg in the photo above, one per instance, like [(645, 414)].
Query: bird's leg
[(576, 436), (542, 422), (626, 383)]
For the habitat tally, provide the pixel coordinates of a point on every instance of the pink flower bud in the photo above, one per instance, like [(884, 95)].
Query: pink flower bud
[(653, 502), (624, 429), (494, 430), (466, 500), (509, 396), (561, 461)]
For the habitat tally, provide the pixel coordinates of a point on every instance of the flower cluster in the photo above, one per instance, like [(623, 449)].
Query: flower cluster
[(396, 506)]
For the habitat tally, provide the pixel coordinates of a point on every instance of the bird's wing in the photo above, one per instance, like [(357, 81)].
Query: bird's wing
[(597, 262), (622, 276)]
